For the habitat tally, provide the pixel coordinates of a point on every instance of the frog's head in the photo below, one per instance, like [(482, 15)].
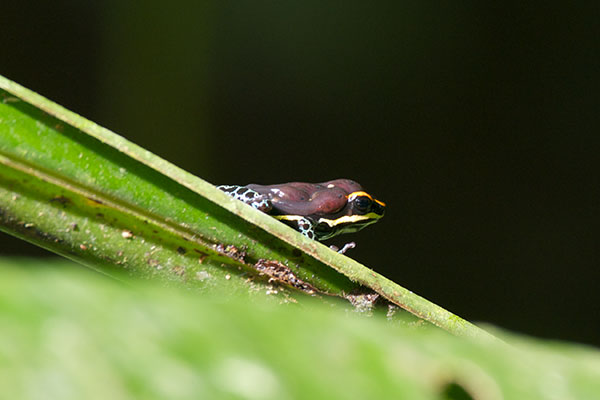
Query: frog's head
[(361, 210), (362, 204)]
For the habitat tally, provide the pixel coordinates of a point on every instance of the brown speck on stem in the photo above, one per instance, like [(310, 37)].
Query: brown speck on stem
[(279, 272)]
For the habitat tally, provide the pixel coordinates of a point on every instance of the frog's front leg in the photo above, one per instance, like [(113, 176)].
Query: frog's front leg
[(302, 224), (305, 226), (248, 196)]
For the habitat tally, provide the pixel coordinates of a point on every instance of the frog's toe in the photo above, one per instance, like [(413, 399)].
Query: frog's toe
[(346, 247)]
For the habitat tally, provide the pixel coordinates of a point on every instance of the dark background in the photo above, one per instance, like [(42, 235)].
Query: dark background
[(476, 123)]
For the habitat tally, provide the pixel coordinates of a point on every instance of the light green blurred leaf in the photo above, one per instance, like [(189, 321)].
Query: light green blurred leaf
[(65, 334)]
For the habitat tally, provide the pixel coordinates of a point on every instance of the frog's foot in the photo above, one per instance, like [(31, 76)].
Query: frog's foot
[(344, 249), (248, 196)]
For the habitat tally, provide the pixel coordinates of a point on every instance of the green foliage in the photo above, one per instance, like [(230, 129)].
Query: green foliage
[(84, 192), (67, 334)]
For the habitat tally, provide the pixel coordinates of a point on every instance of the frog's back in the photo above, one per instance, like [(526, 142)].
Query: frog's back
[(302, 189), (300, 198)]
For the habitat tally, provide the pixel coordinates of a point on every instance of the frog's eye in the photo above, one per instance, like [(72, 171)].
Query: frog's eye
[(363, 203)]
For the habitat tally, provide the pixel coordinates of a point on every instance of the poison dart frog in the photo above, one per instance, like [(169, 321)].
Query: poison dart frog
[(318, 210)]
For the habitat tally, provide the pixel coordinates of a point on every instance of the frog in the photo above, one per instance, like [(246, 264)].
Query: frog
[(319, 211)]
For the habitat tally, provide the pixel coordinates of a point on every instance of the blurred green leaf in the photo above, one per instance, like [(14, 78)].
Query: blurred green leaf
[(65, 334)]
